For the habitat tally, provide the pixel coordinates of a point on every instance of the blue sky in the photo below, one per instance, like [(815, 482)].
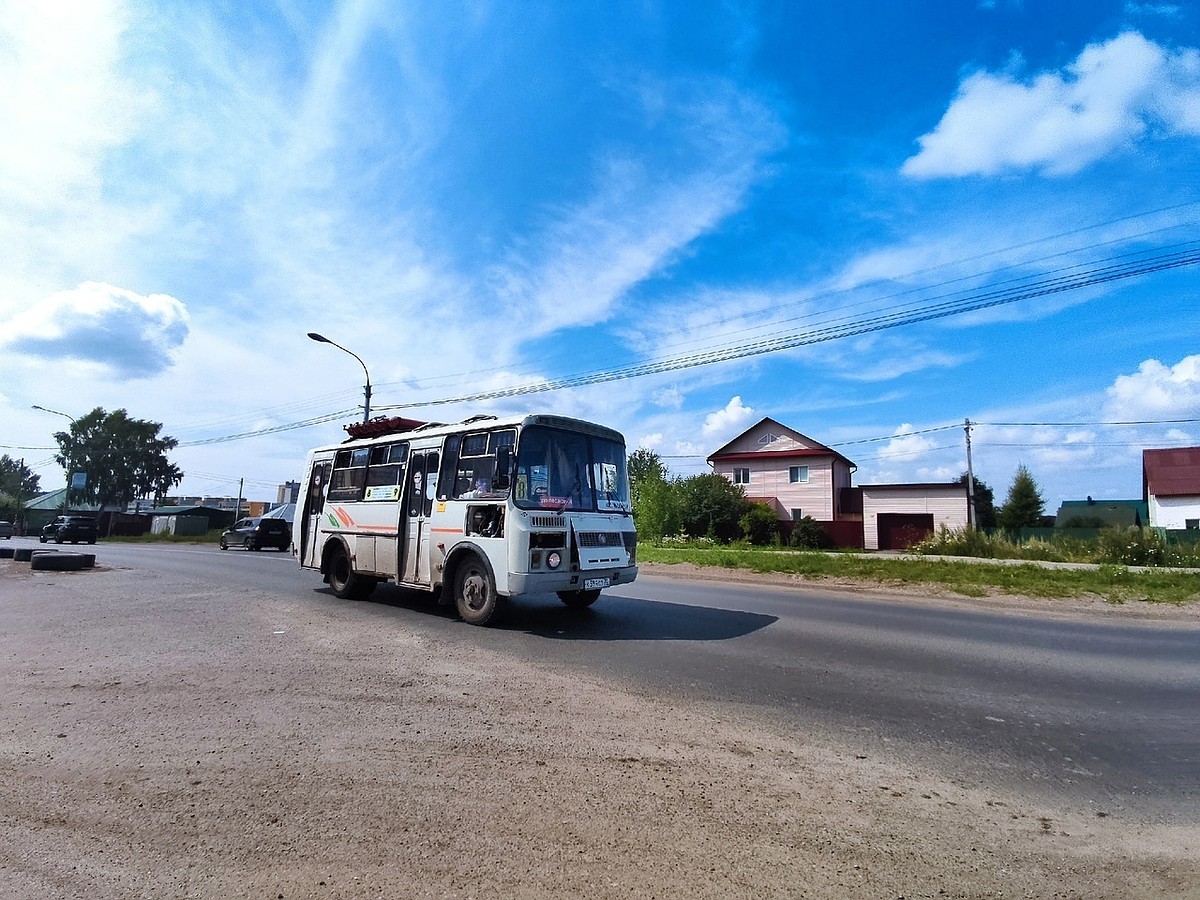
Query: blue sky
[(868, 221)]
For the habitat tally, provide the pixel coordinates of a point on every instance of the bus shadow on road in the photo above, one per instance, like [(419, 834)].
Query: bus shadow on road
[(613, 618), (616, 618)]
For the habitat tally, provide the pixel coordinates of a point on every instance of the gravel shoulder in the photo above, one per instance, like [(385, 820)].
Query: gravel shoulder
[(163, 740)]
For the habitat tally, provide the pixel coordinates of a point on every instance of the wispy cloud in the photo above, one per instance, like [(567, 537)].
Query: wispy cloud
[(643, 211)]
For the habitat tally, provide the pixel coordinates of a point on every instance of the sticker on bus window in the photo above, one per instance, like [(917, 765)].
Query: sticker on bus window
[(384, 492)]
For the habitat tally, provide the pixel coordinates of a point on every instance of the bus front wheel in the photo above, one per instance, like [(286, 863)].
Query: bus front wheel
[(475, 592), (344, 582), (579, 599)]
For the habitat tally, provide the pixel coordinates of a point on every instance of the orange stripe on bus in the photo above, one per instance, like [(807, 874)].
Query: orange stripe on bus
[(446, 530)]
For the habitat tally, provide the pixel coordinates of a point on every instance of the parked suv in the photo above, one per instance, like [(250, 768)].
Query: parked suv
[(75, 529), (6, 530), (256, 533)]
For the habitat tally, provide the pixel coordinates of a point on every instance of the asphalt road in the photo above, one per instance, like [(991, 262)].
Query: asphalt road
[(1100, 714)]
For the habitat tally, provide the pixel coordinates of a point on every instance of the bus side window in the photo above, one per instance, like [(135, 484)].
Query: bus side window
[(349, 475), (316, 487), (447, 483), (431, 479)]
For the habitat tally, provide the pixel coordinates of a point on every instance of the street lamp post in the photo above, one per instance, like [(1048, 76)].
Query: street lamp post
[(321, 339), (67, 496)]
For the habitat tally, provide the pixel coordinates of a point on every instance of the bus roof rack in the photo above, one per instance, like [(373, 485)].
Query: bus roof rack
[(482, 417), (381, 426)]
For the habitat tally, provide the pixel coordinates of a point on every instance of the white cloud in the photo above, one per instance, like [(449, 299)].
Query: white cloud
[(1157, 391), (905, 446), (670, 397), (650, 441), (1114, 94), (728, 421), (131, 334), (64, 102)]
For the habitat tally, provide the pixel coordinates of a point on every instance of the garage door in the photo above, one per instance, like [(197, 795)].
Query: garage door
[(899, 531)]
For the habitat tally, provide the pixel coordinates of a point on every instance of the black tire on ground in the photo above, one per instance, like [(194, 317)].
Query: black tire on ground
[(579, 599), (6, 552), (222, 544), (248, 544), (22, 554), (42, 539), (52, 561), (475, 591), (92, 541), (345, 582), (89, 560)]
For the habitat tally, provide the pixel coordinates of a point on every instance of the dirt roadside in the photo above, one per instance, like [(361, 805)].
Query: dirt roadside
[(160, 741)]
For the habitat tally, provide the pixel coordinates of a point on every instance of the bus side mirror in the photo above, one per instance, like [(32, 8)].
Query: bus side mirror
[(503, 476)]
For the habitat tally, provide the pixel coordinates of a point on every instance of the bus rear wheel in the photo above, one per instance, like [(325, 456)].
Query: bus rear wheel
[(475, 591), (343, 580), (579, 599)]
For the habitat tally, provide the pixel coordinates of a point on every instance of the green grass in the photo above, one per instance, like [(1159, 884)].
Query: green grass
[(1115, 584), (210, 537)]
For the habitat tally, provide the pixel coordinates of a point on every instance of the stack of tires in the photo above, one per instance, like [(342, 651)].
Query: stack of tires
[(49, 560)]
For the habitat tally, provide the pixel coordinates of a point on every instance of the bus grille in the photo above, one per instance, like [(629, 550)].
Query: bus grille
[(599, 539), (546, 521)]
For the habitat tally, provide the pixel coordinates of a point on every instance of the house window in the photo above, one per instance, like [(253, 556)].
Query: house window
[(798, 474), (768, 438), (741, 476), (797, 515), (1191, 523)]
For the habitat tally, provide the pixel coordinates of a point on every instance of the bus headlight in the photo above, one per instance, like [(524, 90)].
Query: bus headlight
[(553, 559)]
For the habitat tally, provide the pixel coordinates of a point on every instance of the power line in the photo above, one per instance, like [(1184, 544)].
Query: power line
[(1086, 424), (1070, 278), (930, 312)]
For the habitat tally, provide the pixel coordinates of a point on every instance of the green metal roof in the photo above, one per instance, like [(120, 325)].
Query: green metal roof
[(1111, 512)]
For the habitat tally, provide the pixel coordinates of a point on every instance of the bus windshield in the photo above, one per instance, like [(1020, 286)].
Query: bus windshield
[(567, 470)]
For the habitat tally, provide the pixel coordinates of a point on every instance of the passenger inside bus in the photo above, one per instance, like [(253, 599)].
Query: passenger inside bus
[(481, 489)]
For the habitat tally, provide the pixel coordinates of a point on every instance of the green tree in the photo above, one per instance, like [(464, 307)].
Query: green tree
[(1024, 505), (17, 485), (123, 458), (656, 512), (646, 465), (712, 506), (985, 502), (651, 494)]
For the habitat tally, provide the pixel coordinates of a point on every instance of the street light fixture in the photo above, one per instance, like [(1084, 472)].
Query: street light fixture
[(321, 339), (55, 411), (67, 495)]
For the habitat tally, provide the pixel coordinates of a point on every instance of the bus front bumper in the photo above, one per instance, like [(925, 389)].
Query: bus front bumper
[(552, 582)]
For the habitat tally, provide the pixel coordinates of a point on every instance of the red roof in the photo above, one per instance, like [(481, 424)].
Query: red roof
[(1172, 473), (776, 454)]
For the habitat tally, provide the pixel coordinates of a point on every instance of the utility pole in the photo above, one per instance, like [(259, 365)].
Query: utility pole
[(20, 523), (237, 513), (971, 521)]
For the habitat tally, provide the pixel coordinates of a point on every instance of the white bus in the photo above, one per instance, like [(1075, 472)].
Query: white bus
[(473, 512)]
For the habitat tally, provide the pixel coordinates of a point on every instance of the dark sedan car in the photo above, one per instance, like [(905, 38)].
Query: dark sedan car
[(75, 529), (256, 533)]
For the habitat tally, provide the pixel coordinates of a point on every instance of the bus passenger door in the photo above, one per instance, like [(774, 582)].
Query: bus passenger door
[(307, 522), (420, 489)]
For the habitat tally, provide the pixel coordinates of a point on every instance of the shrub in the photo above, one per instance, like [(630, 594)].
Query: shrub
[(760, 525), (1132, 547), (963, 542), (809, 533)]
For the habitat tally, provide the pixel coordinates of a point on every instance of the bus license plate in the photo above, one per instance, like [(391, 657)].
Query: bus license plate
[(591, 584)]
